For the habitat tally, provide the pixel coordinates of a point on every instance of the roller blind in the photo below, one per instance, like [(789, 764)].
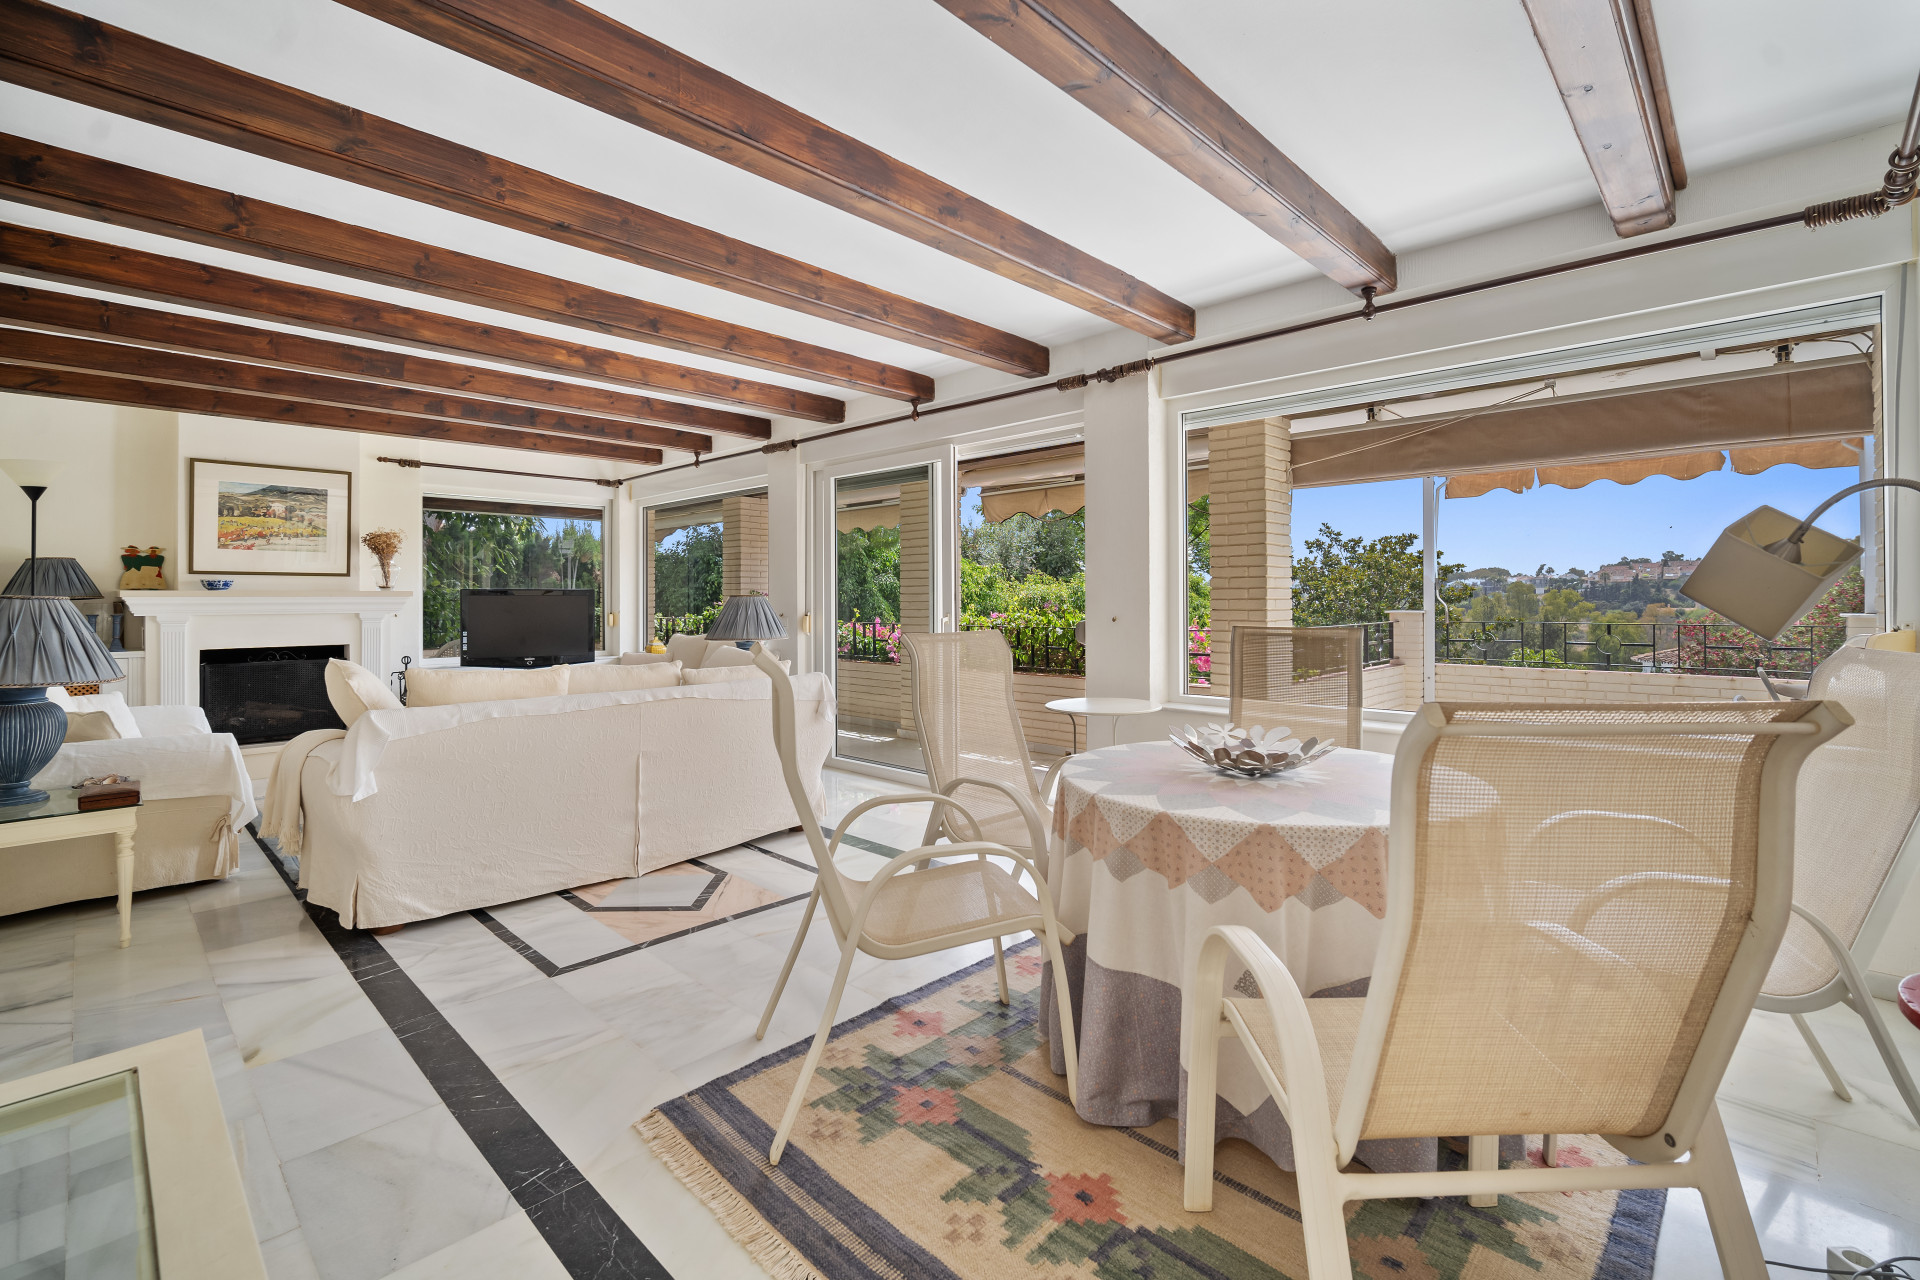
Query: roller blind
[(1782, 404)]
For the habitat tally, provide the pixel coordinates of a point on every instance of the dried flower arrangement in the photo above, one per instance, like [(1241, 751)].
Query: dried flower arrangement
[(385, 545)]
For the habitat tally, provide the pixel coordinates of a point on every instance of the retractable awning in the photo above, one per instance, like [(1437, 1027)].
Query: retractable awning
[(1674, 428)]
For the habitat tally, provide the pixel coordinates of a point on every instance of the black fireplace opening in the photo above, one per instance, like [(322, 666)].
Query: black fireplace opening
[(268, 694)]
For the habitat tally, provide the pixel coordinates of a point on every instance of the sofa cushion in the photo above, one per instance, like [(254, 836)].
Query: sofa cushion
[(644, 659), (688, 651), (353, 690), (95, 717), (444, 686), (608, 677), (721, 675)]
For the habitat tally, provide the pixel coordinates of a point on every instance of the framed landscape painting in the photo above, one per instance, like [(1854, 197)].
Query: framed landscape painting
[(243, 518)]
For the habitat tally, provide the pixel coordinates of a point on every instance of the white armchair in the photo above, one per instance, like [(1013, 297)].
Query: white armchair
[(195, 795)]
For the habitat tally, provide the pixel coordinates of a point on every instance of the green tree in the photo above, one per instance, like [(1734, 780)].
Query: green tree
[(1200, 535), (1563, 604), (1343, 579), (869, 575), (687, 573), (474, 549), (984, 589), (1521, 602), (1060, 544)]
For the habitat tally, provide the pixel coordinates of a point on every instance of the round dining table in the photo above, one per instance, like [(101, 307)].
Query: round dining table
[(1151, 848)]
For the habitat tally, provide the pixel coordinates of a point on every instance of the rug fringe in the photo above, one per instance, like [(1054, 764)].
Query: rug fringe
[(742, 1221)]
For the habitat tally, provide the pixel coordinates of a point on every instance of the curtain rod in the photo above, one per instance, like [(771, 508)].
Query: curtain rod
[(1813, 217), (414, 463)]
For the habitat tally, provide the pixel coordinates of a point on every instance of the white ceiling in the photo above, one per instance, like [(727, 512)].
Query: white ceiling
[(1430, 121)]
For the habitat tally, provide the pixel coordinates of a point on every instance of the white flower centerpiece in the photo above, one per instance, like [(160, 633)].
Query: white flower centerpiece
[(1248, 753)]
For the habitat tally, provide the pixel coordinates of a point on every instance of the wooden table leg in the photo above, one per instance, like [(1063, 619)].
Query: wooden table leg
[(123, 869), (1483, 1153)]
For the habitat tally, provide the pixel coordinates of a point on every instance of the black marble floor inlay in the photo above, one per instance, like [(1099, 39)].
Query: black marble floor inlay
[(582, 1229), (532, 955)]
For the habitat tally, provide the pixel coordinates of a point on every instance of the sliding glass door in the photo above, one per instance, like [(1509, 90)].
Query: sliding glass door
[(884, 572)]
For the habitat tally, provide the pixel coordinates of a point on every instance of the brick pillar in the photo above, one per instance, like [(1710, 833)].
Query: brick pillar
[(1409, 637), (1251, 484), (649, 603), (916, 582), (743, 544)]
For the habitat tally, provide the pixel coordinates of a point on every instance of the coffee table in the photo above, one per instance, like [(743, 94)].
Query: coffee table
[(59, 817)]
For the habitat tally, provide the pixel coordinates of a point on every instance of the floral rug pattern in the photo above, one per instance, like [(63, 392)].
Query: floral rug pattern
[(937, 1143)]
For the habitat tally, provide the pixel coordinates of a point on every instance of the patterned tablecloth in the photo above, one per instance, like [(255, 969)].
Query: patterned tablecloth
[(1151, 849)]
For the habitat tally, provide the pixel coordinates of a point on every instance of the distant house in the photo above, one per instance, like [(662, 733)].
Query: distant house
[(1642, 569)]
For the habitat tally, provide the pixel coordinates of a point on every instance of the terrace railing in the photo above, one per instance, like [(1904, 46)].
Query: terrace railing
[(1042, 650), (1376, 650), (1686, 648), (690, 624)]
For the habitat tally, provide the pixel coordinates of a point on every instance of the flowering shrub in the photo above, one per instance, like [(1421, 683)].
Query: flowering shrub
[(1041, 639), (868, 641), (1199, 654)]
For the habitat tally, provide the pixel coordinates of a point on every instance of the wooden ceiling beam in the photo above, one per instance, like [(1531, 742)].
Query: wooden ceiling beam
[(55, 178), (45, 255), (1599, 65), (75, 57), (31, 381), (571, 49), (78, 316), (82, 355), (1108, 64)]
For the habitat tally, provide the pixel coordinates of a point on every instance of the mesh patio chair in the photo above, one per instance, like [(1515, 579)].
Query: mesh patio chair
[(1306, 678), (971, 737), (910, 907), (1489, 1011), (1857, 845)]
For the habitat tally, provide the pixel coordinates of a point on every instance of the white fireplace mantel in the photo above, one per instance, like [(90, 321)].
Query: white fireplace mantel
[(181, 623)]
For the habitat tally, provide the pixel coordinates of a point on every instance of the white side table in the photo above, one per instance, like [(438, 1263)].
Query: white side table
[(1090, 707), (59, 817)]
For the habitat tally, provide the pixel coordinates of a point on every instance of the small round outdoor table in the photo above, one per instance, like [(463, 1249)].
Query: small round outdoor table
[(1090, 707), (1151, 849)]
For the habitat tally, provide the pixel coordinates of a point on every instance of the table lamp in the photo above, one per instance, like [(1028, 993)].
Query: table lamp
[(43, 641), (1766, 570), (745, 619), (58, 576)]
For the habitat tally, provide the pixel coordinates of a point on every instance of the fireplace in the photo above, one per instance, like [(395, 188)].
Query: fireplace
[(268, 694)]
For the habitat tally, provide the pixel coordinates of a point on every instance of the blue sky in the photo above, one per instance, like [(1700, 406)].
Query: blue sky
[(1578, 528)]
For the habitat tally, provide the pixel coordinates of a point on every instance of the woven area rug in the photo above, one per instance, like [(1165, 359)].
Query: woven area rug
[(936, 1144)]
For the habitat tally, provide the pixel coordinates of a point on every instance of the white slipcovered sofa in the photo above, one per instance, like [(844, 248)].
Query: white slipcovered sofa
[(422, 811), (195, 795)]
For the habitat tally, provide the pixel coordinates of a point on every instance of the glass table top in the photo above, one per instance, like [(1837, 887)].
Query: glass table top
[(74, 1167), (60, 802)]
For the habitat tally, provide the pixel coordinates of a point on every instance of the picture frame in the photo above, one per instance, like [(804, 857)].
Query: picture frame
[(264, 518)]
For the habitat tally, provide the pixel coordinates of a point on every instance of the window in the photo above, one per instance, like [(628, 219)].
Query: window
[(701, 552), (469, 543), (1023, 554)]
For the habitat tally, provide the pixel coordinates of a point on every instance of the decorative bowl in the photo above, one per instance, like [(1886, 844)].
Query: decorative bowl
[(216, 584), (1248, 753)]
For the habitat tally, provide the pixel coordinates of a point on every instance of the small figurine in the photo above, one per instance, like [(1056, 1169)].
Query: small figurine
[(143, 569)]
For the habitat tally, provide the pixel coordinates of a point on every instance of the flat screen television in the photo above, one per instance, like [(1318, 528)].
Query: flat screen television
[(525, 627)]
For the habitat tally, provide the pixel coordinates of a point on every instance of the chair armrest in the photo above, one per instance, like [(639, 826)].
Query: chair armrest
[(901, 797), (1053, 776), (170, 722), (1303, 1097)]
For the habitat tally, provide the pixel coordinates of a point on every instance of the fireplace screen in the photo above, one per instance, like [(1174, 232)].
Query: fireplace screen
[(268, 695)]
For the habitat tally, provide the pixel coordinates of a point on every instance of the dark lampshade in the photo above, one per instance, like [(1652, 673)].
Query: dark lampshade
[(746, 618), (44, 640), (59, 576)]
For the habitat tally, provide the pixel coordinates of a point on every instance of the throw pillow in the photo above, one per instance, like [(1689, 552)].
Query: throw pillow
[(96, 717), (722, 653), (608, 677), (353, 690), (643, 659), (443, 686), (687, 650), (723, 675)]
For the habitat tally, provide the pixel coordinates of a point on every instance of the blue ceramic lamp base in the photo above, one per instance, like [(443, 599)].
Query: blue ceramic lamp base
[(31, 731)]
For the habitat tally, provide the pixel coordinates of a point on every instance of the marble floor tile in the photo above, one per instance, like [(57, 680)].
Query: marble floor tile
[(301, 1016), (269, 963), (327, 1095), (259, 1160), (679, 1230), (674, 1017), (558, 930), (510, 1249), (36, 982), (394, 1195), (526, 1025), (587, 1099), (456, 958), (287, 1258), (104, 1029), (1874, 1172), (37, 1038)]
